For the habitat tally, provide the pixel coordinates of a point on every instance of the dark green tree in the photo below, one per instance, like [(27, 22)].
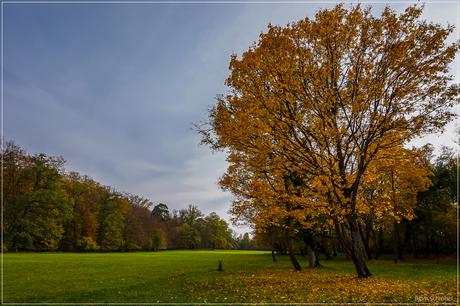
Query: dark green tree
[(114, 208), (35, 203), (216, 233), (190, 227)]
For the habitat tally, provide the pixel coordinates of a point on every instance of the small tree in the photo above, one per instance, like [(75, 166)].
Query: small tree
[(158, 240)]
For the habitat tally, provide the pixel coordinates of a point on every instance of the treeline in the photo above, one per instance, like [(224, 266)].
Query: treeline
[(430, 230), (46, 208)]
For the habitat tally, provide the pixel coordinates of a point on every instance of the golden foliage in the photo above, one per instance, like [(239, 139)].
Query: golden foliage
[(314, 104), (391, 183)]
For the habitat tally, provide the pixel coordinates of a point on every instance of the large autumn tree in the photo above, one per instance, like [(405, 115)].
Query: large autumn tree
[(321, 98)]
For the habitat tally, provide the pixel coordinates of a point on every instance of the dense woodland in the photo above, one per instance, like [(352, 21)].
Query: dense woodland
[(46, 208)]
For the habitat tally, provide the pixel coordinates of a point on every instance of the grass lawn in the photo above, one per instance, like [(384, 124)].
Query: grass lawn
[(192, 276)]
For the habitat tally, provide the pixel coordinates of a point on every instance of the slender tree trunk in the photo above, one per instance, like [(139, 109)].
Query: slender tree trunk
[(321, 248), (434, 247), (273, 255), (395, 242), (75, 240), (292, 257), (302, 252), (381, 245), (427, 245), (343, 244), (334, 248), (414, 245), (294, 262), (395, 228), (317, 263), (402, 246), (368, 237), (310, 248), (376, 243)]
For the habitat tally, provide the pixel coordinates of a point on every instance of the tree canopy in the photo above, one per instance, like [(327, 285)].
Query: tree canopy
[(314, 105)]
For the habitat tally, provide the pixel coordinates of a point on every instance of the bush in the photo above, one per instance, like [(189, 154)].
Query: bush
[(131, 246), (158, 240), (88, 244), (23, 242)]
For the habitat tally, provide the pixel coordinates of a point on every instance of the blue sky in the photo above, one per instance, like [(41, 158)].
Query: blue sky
[(115, 88)]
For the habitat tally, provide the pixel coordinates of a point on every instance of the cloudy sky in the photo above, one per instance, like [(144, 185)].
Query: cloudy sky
[(115, 88)]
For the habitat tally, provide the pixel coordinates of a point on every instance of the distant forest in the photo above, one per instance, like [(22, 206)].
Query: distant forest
[(46, 208)]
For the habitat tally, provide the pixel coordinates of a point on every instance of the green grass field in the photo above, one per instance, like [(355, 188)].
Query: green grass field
[(192, 276)]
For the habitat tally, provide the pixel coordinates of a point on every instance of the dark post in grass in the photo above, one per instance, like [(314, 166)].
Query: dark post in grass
[(220, 266)]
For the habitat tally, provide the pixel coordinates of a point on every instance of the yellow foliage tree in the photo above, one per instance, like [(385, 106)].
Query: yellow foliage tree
[(388, 193), (323, 98)]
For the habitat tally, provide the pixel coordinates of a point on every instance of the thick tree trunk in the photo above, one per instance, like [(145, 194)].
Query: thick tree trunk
[(361, 267), (358, 252), (354, 248), (365, 238)]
